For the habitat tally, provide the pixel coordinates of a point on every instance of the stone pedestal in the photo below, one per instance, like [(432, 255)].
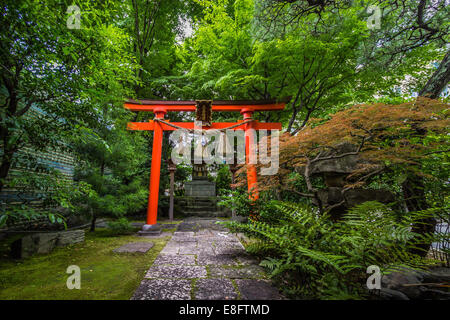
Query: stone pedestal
[(150, 230), (200, 188)]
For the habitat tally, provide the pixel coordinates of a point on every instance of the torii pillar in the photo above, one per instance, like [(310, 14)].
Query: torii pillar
[(160, 108), (252, 178), (155, 173)]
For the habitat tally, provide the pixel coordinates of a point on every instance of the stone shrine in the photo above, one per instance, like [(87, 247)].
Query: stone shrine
[(200, 186)]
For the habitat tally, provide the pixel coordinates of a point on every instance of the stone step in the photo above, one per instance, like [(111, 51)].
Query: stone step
[(209, 199), (193, 208), (204, 214), (198, 212), (200, 202)]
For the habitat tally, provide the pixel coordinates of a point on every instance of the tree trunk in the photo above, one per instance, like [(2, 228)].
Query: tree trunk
[(414, 194), (5, 166), (438, 80), (94, 218)]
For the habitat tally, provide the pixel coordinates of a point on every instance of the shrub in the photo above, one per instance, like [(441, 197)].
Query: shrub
[(121, 226)]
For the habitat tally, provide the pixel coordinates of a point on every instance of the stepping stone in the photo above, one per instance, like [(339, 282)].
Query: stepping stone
[(205, 250), (183, 236), (141, 247), (170, 249), (247, 259), (215, 289), (228, 245), (176, 272), (154, 236), (228, 249), (204, 232), (246, 272), (185, 226), (257, 290), (223, 240), (180, 240), (208, 259), (184, 233), (163, 289), (189, 248), (179, 259)]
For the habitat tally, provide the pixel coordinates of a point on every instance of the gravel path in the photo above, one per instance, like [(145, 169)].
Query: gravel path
[(205, 264)]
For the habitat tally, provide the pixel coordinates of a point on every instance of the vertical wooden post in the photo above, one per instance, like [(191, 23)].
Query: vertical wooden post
[(250, 142), (172, 168), (233, 169), (171, 196), (152, 211)]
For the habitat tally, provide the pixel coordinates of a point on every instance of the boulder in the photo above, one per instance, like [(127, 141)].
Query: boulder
[(33, 244), (333, 195), (354, 197), (437, 275), (398, 280), (335, 173), (344, 165), (415, 285), (389, 294), (69, 237)]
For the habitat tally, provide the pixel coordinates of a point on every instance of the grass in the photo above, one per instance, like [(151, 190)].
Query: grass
[(104, 274)]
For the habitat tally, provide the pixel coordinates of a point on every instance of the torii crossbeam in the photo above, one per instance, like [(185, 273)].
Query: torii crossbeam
[(160, 108)]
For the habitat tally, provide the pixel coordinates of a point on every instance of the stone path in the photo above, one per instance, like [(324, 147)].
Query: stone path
[(205, 264)]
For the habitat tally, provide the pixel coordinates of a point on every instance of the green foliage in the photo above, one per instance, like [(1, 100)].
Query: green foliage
[(324, 63), (223, 180), (238, 201), (121, 226), (112, 162), (316, 258)]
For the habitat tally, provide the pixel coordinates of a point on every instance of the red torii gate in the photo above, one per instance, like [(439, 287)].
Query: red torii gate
[(160, 108)]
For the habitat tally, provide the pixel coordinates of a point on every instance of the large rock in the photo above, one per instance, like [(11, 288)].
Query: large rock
[(335, 173), (354, 197), (398, 280), (415, 284), (141, 247), (42, 243), (33, 244), (335, 169), (344, 165), (333, 196), (389, 294), (69, 237)]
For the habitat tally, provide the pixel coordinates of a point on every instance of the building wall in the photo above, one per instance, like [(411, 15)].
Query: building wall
[(56, 158)]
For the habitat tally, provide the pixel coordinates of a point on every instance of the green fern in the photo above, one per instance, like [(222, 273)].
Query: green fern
[(323, 259)]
